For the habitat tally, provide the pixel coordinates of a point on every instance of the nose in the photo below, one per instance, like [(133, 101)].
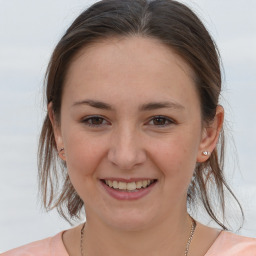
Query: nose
[(126, 149)]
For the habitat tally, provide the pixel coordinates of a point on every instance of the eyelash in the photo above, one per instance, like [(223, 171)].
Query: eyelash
[(91, 118)]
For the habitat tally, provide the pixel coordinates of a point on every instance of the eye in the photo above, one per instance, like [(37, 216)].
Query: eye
[(95, 121), (161, 121)]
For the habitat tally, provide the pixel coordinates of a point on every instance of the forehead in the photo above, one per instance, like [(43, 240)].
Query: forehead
[(127, 66), (128, 50)]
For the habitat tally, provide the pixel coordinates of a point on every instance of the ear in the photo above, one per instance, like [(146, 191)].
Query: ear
[(210, 135), (56, 131)]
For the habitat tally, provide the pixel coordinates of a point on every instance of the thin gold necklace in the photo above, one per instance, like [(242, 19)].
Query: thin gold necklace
[(192, 231)]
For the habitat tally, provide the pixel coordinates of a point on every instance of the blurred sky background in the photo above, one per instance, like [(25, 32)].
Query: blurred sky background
[(29, 30)]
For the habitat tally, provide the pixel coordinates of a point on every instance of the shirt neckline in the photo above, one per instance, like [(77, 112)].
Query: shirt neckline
[(61, 247), (215, 243)]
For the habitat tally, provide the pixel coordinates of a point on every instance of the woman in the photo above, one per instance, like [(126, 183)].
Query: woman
[(133, 116)]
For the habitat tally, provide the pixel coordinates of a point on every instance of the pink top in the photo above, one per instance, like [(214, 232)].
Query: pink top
[(227, 244)]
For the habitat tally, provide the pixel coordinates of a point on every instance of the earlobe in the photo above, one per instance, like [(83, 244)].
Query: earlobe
[(57, 132), (61, 153), (210, 136)]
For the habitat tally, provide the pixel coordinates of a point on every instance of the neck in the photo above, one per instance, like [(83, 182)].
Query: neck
[(158, 239)]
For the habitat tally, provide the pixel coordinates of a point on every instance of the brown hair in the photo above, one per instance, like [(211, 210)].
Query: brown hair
[(176, 26)]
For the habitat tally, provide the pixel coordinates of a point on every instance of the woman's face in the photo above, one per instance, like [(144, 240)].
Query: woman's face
[(130, 116)]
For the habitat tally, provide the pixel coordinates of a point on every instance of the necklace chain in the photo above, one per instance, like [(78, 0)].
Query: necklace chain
[(81, 240), (192, 231)]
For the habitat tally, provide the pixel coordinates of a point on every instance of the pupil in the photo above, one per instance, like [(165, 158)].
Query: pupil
[(159, 121), (97, 120)]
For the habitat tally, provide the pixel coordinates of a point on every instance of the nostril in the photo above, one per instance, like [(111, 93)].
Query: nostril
[(126, 157)]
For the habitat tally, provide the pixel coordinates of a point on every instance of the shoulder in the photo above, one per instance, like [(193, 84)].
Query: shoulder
[(230, 244), (48, 246)]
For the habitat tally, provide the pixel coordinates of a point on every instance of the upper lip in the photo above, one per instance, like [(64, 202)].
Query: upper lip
[(127, 180)]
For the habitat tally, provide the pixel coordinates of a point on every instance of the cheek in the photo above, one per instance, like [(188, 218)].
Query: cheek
[(83, 155), (176, 157)]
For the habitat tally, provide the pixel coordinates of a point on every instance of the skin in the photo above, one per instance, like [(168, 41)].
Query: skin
[(128, 142)]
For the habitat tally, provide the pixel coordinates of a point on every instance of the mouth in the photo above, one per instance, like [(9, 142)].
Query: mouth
[(133, 186)]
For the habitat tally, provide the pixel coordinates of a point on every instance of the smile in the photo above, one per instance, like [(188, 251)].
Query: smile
[(128, 186), (132, 189)]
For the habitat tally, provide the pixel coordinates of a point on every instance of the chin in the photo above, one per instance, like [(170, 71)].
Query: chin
[(130, 221)]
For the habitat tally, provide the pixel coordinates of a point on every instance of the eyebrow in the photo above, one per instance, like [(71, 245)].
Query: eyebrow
[(95, 104), (145, 107), (159, 105)]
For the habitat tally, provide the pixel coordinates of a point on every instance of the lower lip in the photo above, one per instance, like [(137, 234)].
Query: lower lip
[(124, 195)]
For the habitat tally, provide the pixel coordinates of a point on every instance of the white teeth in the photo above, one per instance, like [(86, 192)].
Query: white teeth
[(122, 185), (110, 183), (115, 184), (139, 184), (130, 186), (144, 183)]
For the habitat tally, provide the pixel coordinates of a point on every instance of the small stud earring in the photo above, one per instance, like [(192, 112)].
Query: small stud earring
[(206, 153)]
